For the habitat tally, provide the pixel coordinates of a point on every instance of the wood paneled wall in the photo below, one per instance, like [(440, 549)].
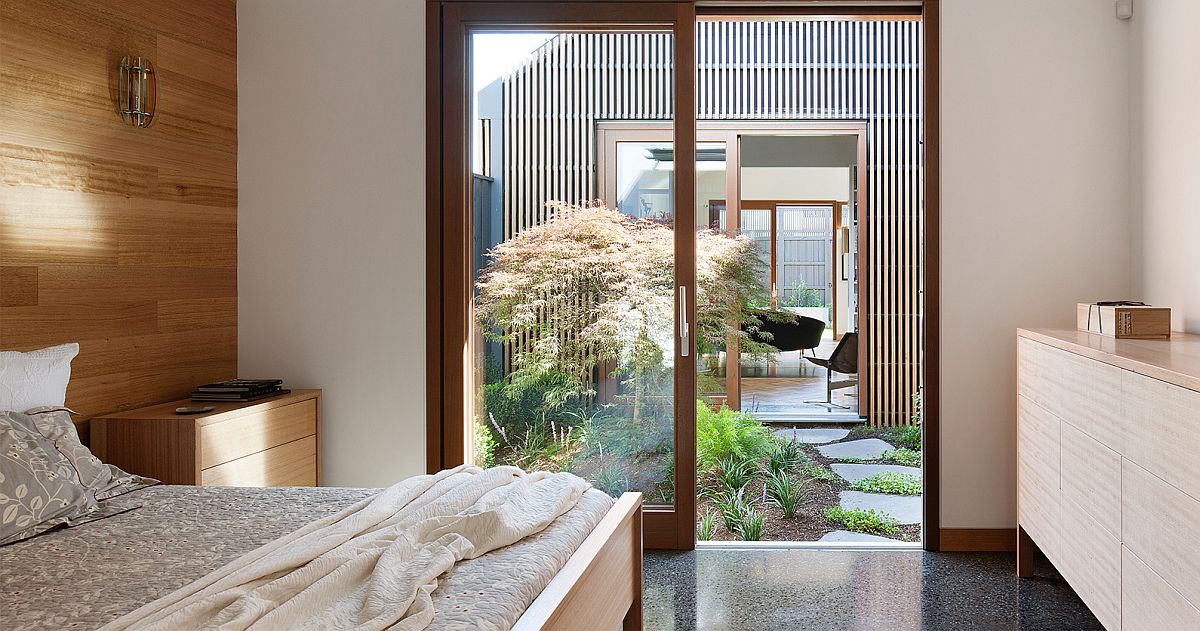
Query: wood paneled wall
[(120, 238)]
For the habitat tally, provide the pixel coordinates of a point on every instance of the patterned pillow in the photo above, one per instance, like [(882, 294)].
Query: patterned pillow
[(38, 487), (103, 480), (35, 378)]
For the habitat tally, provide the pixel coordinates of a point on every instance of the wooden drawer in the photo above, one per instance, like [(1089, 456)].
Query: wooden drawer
[(1037, 444), (235, 438), (1090, 560), (291, 464), (1148, 603), (1091, 477), (1164, 430), (1161, 525), (1079, 390)]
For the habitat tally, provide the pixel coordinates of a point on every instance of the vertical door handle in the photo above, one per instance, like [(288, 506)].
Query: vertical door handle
[(684, 327)]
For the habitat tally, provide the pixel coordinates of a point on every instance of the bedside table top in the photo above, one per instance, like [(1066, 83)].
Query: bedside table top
[(221, 410)]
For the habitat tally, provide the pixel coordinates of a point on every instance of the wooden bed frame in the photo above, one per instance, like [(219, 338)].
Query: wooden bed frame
[(600, 587)]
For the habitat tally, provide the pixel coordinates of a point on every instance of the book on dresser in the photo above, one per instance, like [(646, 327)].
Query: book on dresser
[(239, 390), (270, 442)]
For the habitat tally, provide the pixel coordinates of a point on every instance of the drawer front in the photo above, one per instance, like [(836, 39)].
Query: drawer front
[(238, 437), (1148, 603), (1164, 430), (292, 464), (1091, 477), (1079, 390), (1091, 563), (1037, 444), (1161, 525)]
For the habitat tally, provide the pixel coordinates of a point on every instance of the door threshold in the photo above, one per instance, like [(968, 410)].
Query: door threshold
[(861, 546)]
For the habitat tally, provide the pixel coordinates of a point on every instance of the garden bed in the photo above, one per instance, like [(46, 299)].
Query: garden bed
[(820, 492)]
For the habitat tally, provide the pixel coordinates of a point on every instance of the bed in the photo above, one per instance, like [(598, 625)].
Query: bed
[(86, 576), (84, 544)]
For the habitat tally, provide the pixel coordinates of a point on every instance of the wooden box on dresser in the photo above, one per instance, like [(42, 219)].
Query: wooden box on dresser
[(1108, 481), (269, 442)]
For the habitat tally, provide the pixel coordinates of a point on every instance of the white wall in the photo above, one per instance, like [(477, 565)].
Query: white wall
[(1167, 180), (796, 183), (1035, 213), (331, 239)]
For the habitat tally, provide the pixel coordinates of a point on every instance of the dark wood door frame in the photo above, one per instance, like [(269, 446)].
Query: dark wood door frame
[(448, 214), (447, 283)]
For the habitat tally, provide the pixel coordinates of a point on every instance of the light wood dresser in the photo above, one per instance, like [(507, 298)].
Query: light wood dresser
[(1109, 472), (269, 442)]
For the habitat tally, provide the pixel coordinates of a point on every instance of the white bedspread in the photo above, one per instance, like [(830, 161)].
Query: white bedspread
[(373, 565)]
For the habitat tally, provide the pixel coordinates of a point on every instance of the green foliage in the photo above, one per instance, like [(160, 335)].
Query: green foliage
[(734, 508), (708, 526), (903, 456), (787, 456), (801, 296), (851, 460), (612, 480), (485, 445), (752, 525), (726, 433), (821, 473), (868, 520), (736, 473), (785, 493), (890, 482), (911, 437)]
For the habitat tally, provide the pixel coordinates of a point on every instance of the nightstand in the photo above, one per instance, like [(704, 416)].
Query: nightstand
[(269, 442)]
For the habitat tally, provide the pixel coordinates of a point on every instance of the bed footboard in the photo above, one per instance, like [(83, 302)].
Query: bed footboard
[(600, 587)]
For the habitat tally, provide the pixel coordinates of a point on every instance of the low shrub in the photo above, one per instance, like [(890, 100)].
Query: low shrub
[(867, 520), (734, 509), (784, 493), (820, 473), (752, 525), (612, 480), (890, 482), (736, 473), (726, 433), (787, 456), (911, 437), (708, 526), (903, 456), (485, 445)]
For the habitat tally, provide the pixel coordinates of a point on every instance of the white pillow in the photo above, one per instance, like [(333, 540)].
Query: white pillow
[(35, 379)]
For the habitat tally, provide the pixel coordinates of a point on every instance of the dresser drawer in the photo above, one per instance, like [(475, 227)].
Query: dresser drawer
[(1091, 477), (238, 437), (1161, 525), (1079, 390), (1090, 560), (1037, 444), (1164, 430), (291, 464), (1148, 603)]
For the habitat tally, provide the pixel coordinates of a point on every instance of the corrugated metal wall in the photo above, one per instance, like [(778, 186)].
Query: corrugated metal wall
[(763, 70)]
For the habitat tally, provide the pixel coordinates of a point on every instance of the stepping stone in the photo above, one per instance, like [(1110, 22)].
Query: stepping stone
[(906, 508), (864, 449), (846, 535), (856, 472), (812, 436)]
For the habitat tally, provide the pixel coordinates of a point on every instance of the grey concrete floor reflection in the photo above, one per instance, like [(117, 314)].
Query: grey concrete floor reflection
[(854, 589)]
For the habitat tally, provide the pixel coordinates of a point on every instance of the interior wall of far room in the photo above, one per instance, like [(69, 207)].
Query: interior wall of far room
[(1035, 191), (796, 183), (1167, 176), (331, 239)]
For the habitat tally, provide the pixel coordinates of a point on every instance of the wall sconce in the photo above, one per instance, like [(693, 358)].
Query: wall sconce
[(137, 91)]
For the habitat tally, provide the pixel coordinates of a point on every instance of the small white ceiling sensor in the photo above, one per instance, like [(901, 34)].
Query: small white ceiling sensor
[(1124, 9)]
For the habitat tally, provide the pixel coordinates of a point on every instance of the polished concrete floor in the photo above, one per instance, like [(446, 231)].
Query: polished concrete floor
[(851, 589)]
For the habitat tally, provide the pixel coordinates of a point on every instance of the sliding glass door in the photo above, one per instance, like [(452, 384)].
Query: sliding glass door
[(567, 329)]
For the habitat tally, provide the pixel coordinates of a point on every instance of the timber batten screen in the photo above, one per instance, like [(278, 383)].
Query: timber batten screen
[(788, 70)]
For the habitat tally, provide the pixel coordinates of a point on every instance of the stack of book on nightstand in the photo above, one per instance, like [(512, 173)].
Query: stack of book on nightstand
[(239, 390)]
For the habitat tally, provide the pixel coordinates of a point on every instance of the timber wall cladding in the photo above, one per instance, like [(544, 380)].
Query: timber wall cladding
[(120, 238)]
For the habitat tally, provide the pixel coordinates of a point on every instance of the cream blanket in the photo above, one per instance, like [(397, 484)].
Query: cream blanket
[(374, 564)]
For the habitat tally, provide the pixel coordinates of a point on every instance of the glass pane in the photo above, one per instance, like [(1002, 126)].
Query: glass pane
[(574, 300), (711, 342)]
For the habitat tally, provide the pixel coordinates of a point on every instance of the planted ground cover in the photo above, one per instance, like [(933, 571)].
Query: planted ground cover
[(756, 485)]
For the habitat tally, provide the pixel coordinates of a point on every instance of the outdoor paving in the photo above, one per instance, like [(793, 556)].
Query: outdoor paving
[(864, 449), (905, 508), (839, 536), (856, 472), (812, 436)]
